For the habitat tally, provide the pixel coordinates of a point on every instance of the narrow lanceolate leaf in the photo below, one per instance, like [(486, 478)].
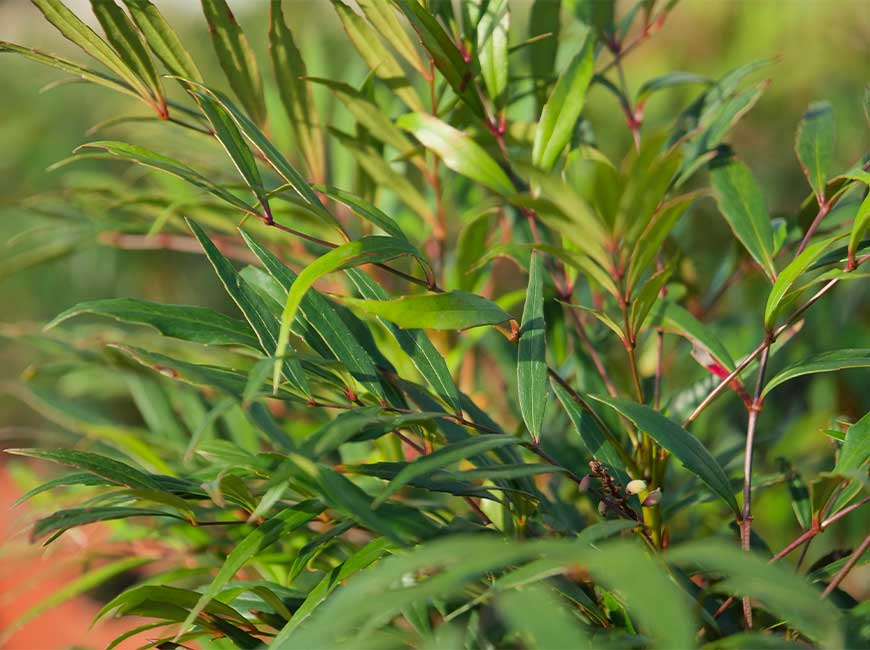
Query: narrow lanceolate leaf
[(162, 39), (73, 517), (544, 25), (257, 541), (236, 58), (458, 151), (320, 314), (742, 204), (671, 317), (272, 155), (824, 362), (443, 51), (143, 156), (255, 311), (452, 310), (365, 210), (682, 444), (415, 343), (383, 18), (540, 615), (814, 145), (125, 39), (368, 250), (442, 458), (93, 76), (290, 72), (234, 144), (860, 226), (563, 108), (492, 46), (377, 56), (79, 33), (107, 468), (532, 352), (788, 276), (197, 324), (598, 444), (856, 446)]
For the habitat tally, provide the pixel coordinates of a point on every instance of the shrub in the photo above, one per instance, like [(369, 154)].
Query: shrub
[(468, 401)]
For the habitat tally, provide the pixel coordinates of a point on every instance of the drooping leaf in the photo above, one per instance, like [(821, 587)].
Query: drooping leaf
[(779, 590), (365, 210), (531, 352), (814, 145), (162, 39), (682, 444), (296, 95), (385, 21), (442, 458), (263, 536), (65, 519), (451, 310), (458, 151), (261, 319), (368, 250), (125, 39), (821, 362), (669, 80), (671, 317), (236, 58), (377, 56), (107, 468), (563, 107), (234, 144), (197, 324), (742, 204)]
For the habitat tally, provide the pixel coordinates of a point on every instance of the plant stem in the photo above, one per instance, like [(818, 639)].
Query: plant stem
[(842, 573), (592, 352), (824, 209), (746, 518)]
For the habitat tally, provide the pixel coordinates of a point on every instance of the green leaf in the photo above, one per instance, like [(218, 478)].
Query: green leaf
[(856, 447), (290, 72), (682, 444), (414, 342), (125, 39), (321, 315), (668, 80), (788, 276), (646, 297), (532, 352), (451, 310), (860, 226), (79, 71), (671, 317), (197, 324), (544, 25), (234, 144), (444, 53), (563, 107), (458, 151), (107, 468), (602, 445), (386, 23), (65, 519), (68, 24), (143, 156), (255, 311), (742, 204), (814, 145), (780, 591), (821, 362), (377, 56), (236, 58), (162, 40), (365, 210), (492, 46), (263, 536), (535, 613), (441, 458), (77, 478), (368, 250)]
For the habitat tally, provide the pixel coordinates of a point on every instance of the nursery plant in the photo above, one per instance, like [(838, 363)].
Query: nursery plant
[(485, 383)]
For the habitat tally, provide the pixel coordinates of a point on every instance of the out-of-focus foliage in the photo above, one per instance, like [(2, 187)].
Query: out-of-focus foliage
[(439, 301)]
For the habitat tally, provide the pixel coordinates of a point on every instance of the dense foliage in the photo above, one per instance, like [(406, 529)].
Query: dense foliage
[(460, 402)]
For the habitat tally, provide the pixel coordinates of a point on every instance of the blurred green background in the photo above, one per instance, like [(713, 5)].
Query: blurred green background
[(821, 47)]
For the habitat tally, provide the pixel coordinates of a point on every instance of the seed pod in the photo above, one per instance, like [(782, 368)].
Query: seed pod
[(653, 498)]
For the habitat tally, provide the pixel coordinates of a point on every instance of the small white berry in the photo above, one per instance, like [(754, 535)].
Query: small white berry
[(636, 486)]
